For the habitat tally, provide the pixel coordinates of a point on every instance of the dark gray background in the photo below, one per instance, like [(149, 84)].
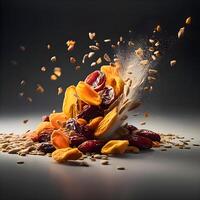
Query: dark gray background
[(36, 23)]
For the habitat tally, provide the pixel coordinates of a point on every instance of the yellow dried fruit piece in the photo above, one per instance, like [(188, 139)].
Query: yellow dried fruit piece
[(87, 94), (70, 102), (65, 154), (115, 147), (81, 121), (94, 123), (59, 139), (106, 123), (57, 119), (113, 79), (43, 125)]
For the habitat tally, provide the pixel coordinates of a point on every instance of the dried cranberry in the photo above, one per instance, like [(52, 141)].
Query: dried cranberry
[(107, 96), (96, 79), (77, 139), (90, 112), (148, 134), (131, 128), (46, 147), (45, 118), (91, 146), (140, 141)]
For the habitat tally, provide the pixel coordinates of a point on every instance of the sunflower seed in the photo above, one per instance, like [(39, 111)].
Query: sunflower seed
[(151, 41), (105, 162), (43, 69), (139, 53), (93, 64), (97, 156), (48, 46), (107, 40), (39, 89), (196, 144), (53, 77), (72, 60), (130, 44), (20, 162), (181, 32), (153, 71), (53, 59), (158, 28), (120, 38), (151, 78), (92, 35), (84, 57), (106, 57), (60, 90), (120, 168), (157, 53), (99, 61), (188, 20), (151, 49), (172, 63), (157, 44), (91, 54), (94, 48)]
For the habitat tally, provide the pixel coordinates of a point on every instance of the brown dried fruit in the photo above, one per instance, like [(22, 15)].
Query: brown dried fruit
[(65, 154), (106, 123), (87, 94), (91, 146)]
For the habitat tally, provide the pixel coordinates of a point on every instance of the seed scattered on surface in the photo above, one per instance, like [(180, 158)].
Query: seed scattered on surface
[(97, 156), (23, 82), (172, 63), (158, 28), (157, 53), (113, 46), (57, 71), (25, 121), (106, 57), (93, 64), (84, 57), (142, 123), (92, 159), (39, 89), (153, 71), (187, 147), (53, 77), (21, 94), (196, 144), (60, 90), (168, 146), (20, 162), (105, 162), (151, 41), (163, 149), (121, 168), (188, 20), (151, 78), (91, 54), (107, 40), (94, 48), (157, 44), (43, 68), (120, 38), (151, 49), (77, 67), (29, 99), (53, 59), (48, 46), (91, 35), (72, 60), (130, 44), (181, 32)]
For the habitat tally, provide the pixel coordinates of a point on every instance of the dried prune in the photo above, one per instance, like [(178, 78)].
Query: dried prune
[(77, 139), (91, 146), (96, 79), (148, 134), (89, 112), (44, 138), (131, 128), (108, 96), (46, 147), (139, 141)]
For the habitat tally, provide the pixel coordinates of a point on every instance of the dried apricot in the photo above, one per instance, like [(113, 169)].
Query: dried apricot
[(106, 123), (57, 119), (115, 147), (109, 70), (65, 154), (70, 102), (59, 139), (87, 94), (94, 123), (43, 125)]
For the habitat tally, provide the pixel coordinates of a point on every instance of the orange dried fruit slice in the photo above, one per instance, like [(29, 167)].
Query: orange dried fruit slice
[(94, 123), (57, 119), (87, 94), (70, 102), (43, 125), (59, 139), (65, 154), (109, 70), (106, 123), (115, 147)]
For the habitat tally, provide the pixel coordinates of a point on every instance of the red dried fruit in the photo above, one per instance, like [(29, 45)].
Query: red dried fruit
[(91, 146), (148, 134), (108, 96), (131, 128), (140, 141), (89, 112), (76, 140), (96, 79)]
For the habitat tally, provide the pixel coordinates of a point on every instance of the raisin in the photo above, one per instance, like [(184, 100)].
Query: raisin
[(96, 79), (148, 134), (91, 146), (140, 141), (46, 147), (45, 135), (108, 96), (90, 112)]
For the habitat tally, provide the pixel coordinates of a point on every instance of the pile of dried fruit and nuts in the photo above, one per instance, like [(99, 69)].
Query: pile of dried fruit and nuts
[(89, 113)]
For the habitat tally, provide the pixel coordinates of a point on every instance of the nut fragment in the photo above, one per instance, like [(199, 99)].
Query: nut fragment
[(57, 71), (106, 57), (158, 28), (53, 77), (181, 32), (94, 48), (188, 20), (91, 54), (91, 35), (53, 59), (60, 90), (172, 63), (39, 89), (99, 61), (72, 60), (43, 69)]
